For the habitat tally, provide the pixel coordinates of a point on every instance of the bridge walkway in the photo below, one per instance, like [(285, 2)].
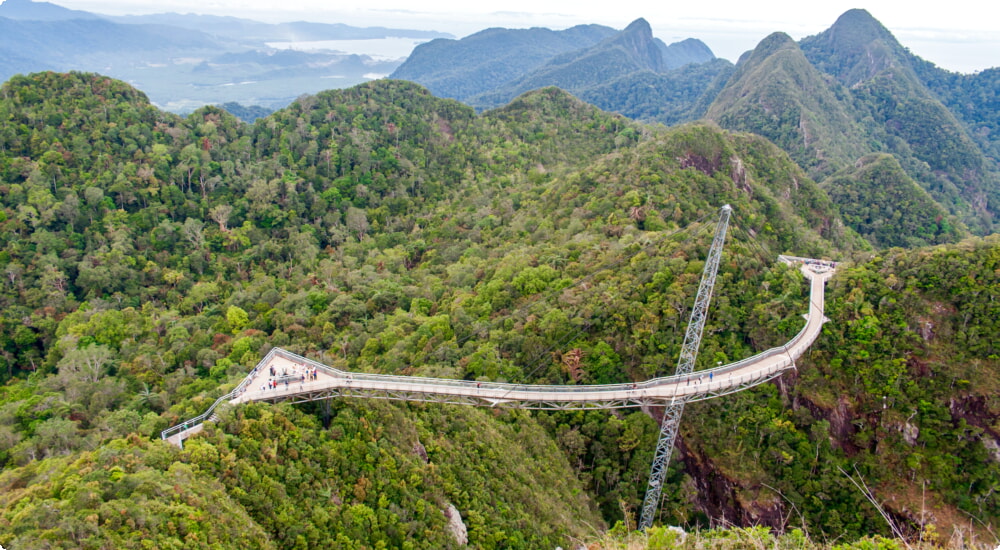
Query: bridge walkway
[(328, 382)]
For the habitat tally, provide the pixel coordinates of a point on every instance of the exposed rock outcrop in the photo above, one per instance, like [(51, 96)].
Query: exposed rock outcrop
[(456, 525)]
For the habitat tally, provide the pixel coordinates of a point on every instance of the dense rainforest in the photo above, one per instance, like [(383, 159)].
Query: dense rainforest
[(149, 261)]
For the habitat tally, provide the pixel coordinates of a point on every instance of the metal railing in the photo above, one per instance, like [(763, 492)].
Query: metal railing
[(436, 385), (429, 384), (236, 392)]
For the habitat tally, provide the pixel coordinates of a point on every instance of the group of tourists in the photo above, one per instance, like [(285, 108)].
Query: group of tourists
[(711, 376), (272, 384), (299, 373)]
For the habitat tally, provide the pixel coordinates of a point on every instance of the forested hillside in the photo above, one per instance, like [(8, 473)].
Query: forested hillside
[(149, 261), (777, 93), (878, 200)]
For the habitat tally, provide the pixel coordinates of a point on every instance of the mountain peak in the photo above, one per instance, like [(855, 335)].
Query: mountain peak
[(767, 47), (860, 43), (860, 19), (637, 39), (640, 25), (775, 41), (856, 28)]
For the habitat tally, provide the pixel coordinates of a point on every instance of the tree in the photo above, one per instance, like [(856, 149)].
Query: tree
[(85, 364), (56, 436), (220, 213), (357, 221), (237, 319), (192, 231)]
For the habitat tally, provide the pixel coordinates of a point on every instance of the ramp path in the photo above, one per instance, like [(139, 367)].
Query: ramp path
[(297, 379)]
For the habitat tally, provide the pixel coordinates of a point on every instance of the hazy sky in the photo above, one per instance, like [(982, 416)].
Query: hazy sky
[(959, 35)]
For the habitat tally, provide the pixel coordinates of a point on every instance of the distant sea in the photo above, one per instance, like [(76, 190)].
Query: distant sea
[(383, 49)]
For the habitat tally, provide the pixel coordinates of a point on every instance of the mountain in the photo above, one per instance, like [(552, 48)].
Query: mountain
[(47, 36), (829, 100), (245, 113), (628, 71), (74, 42), (640, 49), (777, 93), (851, 91), (689, 50), (855, 49), (256, 32), (677, 96), (632, 73), (973, 98), (140, 52), (632, 51), (909, 121), (150, 259), (14, 62), (40, 11), (480, 62)]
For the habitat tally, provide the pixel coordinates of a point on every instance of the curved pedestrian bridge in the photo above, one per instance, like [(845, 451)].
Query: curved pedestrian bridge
[(300, 379)]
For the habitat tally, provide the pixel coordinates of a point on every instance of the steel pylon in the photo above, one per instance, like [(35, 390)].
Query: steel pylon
[(685, 365)]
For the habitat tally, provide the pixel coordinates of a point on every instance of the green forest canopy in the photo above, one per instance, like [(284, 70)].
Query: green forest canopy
[(148, 261)]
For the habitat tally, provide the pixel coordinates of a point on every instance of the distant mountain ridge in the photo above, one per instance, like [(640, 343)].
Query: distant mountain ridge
[(631, 51), (828, 100), (185, 61), (244, 30), (256, 31), (627, 71), (491, 58), (41, 11), (71, 39)]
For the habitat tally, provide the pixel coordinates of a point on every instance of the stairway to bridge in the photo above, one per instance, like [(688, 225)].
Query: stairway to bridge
[(296, 384)]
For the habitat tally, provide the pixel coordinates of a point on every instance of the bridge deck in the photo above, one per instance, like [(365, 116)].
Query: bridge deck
[(330, 382), (700, 385)]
